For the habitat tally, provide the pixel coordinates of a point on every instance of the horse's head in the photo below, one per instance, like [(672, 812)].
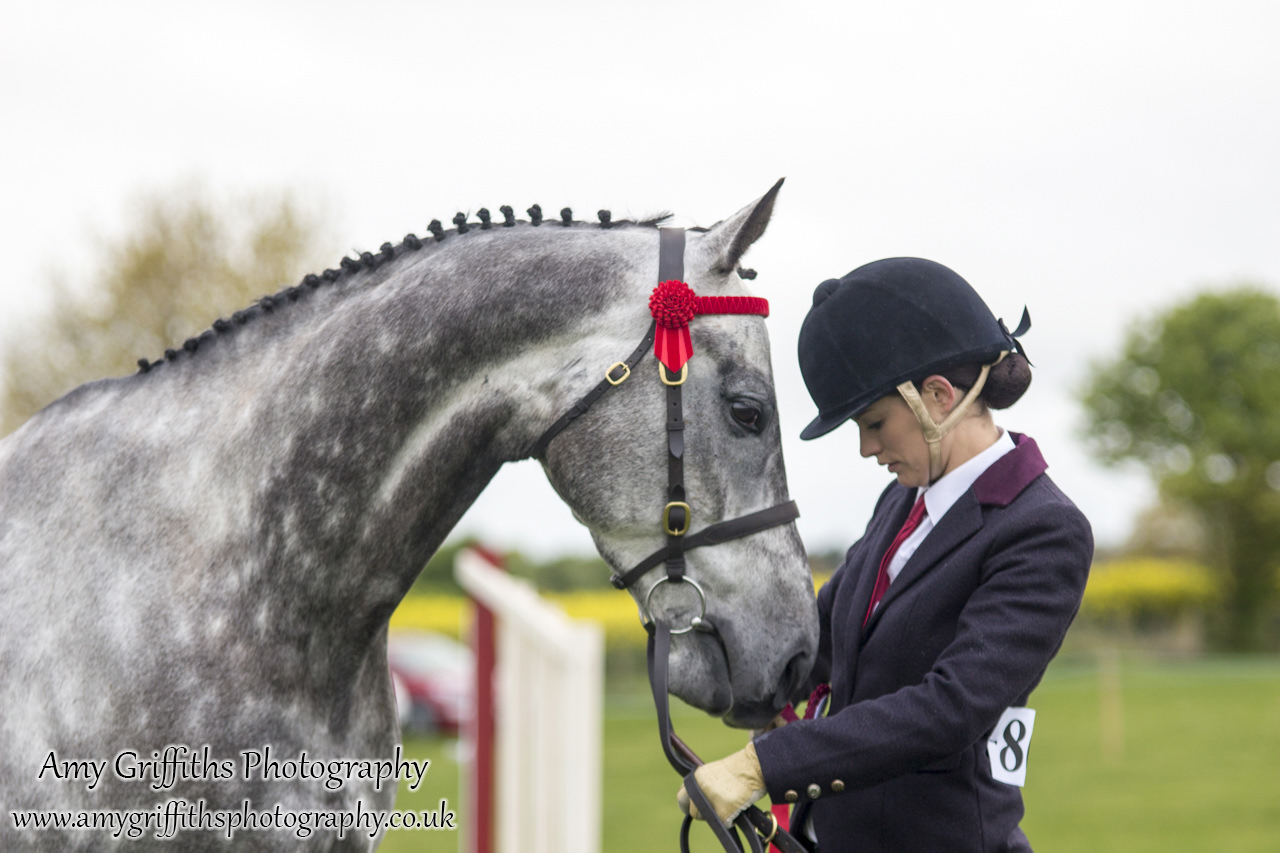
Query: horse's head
[(759, 637)]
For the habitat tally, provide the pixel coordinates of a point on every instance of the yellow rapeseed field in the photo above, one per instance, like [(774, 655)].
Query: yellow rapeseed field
[(1139, 586), (451, 614)]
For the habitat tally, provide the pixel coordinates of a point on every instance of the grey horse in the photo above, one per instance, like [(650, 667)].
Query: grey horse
[(205, 555)]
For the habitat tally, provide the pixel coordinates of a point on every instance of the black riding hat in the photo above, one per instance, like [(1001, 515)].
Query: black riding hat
[(889, 322)]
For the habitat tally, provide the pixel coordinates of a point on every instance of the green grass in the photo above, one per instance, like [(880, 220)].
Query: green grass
[(1193, 762), (440, 783), (1153, 757)]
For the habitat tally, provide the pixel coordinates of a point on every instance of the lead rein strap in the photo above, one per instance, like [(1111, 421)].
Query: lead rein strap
[(659, 647), (753, 822), (678, 754)]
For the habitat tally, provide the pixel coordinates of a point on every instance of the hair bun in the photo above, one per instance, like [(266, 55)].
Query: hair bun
[(1007, 381)]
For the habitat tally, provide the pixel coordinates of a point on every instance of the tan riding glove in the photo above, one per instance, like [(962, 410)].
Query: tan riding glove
[(730, 784)]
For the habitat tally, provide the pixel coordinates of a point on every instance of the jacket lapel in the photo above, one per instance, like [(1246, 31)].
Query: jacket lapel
[(1007, 477), (961, 521), (880, 539)]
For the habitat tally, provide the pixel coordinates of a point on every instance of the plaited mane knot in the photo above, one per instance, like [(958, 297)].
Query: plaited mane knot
[(673, 304), (676, 311)]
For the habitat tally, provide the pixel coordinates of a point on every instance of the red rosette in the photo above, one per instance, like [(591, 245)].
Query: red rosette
[(673, 304)]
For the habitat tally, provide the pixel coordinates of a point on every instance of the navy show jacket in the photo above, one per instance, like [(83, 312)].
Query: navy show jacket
[(899, 763)]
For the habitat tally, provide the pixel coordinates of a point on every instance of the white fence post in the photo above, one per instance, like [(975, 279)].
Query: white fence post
[(550, 687)]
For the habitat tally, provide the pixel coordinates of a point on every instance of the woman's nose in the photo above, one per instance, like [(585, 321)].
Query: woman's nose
[(867, 446)]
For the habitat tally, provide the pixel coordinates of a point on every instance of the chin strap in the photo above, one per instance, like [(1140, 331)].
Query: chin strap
[(934, 431)]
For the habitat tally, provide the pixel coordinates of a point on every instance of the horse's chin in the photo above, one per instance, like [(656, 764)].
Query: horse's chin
[(758, 713), (750, 717), (703, 682), (717, 700), (699, 676)]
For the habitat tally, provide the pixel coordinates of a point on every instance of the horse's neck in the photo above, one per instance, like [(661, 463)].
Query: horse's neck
[(369, 430)]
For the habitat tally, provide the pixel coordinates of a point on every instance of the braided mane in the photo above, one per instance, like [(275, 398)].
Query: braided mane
[(366, 261)]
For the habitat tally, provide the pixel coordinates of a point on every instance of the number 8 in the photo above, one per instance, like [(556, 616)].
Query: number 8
[(1013, 744)]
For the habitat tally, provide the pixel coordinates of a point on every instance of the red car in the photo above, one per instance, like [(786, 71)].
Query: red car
[(437, 673)]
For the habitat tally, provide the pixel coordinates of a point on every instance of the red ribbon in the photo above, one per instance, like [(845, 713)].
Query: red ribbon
[(673, 304)]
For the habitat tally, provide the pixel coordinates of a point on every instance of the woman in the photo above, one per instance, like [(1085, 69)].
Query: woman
[(943, 617)]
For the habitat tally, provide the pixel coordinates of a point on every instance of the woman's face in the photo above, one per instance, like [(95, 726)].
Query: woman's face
[(889, 431)]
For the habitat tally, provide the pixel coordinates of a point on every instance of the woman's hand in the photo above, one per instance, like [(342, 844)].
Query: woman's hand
[(730, 785)]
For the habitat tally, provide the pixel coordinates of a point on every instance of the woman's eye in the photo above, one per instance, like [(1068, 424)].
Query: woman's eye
[(746, 415)]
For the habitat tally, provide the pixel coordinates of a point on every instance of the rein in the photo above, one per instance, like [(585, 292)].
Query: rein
[(673, 305)]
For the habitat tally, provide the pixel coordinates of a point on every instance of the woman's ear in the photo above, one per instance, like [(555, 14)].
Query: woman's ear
[(939, 396)]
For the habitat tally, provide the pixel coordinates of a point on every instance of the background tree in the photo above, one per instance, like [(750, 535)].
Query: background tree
[(1194, 397), (184, 260)]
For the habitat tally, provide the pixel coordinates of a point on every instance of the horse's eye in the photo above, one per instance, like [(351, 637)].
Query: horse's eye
[(746, 415)]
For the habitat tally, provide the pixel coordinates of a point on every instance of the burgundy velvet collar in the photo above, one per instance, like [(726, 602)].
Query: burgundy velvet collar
[(1011, 473)]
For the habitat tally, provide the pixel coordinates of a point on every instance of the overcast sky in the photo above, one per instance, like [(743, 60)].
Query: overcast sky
[(1095, 161)]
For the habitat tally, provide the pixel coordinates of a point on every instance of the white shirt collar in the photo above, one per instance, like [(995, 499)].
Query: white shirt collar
[(940, 497)]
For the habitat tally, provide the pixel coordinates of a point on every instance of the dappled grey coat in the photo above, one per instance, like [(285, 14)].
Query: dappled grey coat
[(965, 631)]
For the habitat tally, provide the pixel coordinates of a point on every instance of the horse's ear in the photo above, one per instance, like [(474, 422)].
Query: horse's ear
[(728, 240)]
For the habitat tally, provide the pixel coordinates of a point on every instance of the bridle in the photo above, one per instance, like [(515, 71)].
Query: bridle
[(669, 337)]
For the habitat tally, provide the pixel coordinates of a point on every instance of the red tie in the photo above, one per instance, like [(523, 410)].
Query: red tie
[(882, 579)]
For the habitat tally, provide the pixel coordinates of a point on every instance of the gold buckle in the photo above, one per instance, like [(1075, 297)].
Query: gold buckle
[(662, 374), (626, 371), (769, 838), (666, 518)]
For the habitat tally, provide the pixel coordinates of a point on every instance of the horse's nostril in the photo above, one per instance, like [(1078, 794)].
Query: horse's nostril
[(795, 674)]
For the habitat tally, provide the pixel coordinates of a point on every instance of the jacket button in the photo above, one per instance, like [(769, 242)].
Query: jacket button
[(814, 791), (791, 796), (837, 786)]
